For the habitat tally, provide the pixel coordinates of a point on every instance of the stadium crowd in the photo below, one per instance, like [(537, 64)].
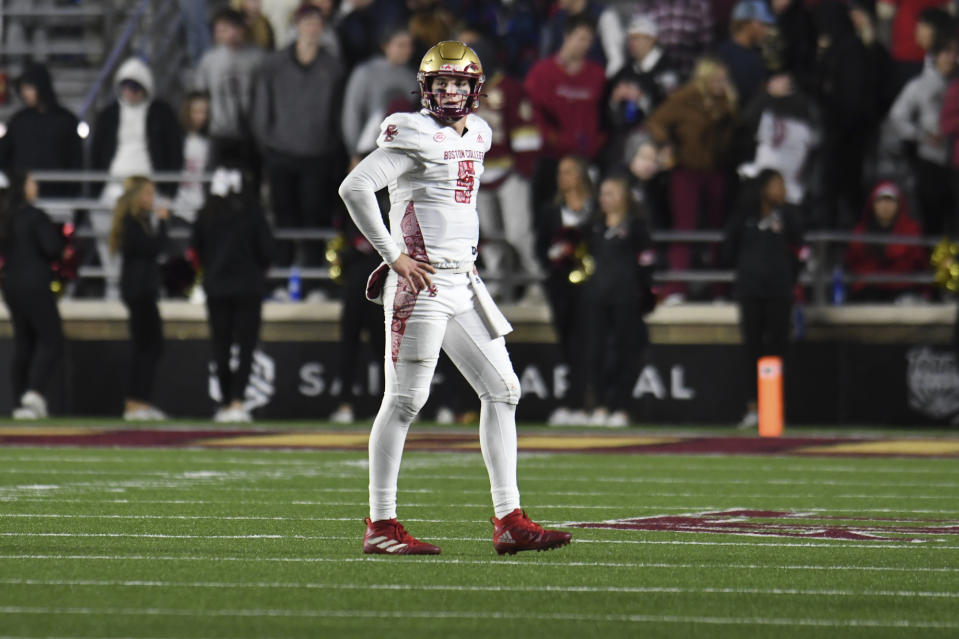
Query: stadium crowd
[(693, 107)]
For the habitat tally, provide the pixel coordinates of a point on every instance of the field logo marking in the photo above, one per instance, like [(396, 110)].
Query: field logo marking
[(785, 524)]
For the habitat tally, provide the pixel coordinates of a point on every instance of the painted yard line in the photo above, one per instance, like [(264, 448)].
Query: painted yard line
[(218, 517), (906, 545), (727, 465), (320, 474), (492, 561), (479, 614), (271, 585), (530, 463), (809, 514), (644, 507), (778, 499)]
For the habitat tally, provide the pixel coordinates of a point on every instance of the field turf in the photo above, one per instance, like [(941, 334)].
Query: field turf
[(189, 543)]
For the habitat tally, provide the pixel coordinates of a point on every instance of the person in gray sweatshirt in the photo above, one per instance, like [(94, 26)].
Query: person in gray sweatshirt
[(227, 73), (371, 87), (915, 119), (296, 116)]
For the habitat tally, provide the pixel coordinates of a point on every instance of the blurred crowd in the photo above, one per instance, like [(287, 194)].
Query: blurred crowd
[(690, 100)]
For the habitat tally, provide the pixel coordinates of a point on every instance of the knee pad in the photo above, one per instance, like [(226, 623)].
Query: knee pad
[(506, 390), (409, 405)]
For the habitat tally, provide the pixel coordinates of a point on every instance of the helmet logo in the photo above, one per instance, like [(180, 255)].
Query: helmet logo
[(447, 67)]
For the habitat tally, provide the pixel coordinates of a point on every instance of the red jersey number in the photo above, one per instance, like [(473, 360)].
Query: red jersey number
[(465, 181)]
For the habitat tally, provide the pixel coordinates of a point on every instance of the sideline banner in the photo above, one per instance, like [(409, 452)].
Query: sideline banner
[(825, 383)]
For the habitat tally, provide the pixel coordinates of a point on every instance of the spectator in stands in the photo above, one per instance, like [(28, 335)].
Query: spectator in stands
[(140, 241), (915, 118), (879, 62), (370, 89), (751, 20), (257, 24), (885, 213), (233, 245), (329, 41), (784, 125), (949, 129), (762, 240), (297, 120), (607, 47), (566, 91), (29, 242), (194, 16), (850, 97), (227, 73), (504, 201), (685, 29), (650, 183), (638, 88), (912, 34), (562, 231), (695, 126), (195, 121), (280, 15), (359, 30), (136, 134), (43, 134), (793, 41), (616, 297)]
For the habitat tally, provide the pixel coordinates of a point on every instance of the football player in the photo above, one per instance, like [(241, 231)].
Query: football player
[(432, 162)]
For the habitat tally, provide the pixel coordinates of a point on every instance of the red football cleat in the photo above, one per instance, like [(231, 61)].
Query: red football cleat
[(388, 537), (516, 532)]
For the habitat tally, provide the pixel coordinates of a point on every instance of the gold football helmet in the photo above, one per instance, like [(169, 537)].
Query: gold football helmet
[(455, 59)]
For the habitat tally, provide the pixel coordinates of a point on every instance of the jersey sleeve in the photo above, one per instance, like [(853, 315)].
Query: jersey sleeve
[(400, 132)]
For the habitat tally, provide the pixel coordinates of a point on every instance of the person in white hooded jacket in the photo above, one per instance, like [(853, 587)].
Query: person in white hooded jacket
[(137, 134)]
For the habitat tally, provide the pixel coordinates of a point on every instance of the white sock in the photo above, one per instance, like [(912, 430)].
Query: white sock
[(497, 430), (387, 439)]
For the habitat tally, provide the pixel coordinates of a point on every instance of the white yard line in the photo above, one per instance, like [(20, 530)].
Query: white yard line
[(479, 614), (274, 585), (478, 562), (316, 473), (640, 510), (868, 545)]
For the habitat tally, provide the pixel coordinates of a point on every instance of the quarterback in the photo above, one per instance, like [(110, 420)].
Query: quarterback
[(432, 162)]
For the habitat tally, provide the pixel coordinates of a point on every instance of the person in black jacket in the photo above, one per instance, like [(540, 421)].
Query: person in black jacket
[(134, 237), (234, 246), (762, 239), (43, 134), (616, 297), (29, 242)]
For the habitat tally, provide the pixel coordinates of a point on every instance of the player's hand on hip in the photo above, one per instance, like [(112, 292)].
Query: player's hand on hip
[(416, 274)]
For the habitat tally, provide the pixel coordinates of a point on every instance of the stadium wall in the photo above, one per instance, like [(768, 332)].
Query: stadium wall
[(853, 365)]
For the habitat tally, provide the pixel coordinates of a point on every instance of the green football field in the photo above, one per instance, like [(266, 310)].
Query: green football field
[(202, 542)]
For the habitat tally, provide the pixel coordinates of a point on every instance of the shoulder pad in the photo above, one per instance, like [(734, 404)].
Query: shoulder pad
[(401, 131)]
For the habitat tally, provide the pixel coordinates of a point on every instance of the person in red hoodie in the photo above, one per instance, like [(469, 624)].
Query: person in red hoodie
[(886, 213), (566, 90)]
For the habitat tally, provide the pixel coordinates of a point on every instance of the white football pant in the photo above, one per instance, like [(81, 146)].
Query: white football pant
[(445, 319)]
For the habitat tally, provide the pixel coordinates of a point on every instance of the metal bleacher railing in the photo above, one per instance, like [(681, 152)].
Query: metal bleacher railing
[(818, 276)]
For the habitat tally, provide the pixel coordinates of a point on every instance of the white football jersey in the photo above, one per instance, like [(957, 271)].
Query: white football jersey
[(433, 207)]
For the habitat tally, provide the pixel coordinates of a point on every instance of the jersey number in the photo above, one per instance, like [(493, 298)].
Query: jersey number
[(464, 182)]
